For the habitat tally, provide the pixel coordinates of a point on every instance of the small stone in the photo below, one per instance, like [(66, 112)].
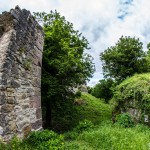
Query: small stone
[(15, 84), (36, 125), (2, 119), (12, 126), (10, 100), (2, 99), (27, 130), (7, 108)]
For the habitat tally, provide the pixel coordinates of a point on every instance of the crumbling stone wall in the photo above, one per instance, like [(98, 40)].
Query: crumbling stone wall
[(21, 45)]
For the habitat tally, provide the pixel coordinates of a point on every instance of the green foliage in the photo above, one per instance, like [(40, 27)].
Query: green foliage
[(134, 92), (64, 116), (65, 65), (124, 120), (86, 107), (103, 89), (83, 125), (40, 140), (15, 144), (148, 57), (107, 137), (45, 140), (124, 59)]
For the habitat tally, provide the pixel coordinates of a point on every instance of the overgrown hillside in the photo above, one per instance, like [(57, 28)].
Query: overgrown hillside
[(94, 131), (93, 109), (105, 135)]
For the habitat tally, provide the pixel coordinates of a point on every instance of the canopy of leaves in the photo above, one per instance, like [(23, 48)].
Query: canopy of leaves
[(65, 65), (134, 92), (103, 89), (124, 59), (64, 60)]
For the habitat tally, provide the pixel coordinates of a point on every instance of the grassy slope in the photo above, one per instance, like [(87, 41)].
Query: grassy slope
[(94, 109), (107, 136)]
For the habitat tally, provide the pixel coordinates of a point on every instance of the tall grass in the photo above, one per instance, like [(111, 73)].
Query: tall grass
[(109, 137)]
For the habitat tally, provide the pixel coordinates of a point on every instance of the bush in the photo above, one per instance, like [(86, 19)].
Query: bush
[(40, 140), (15, 144), (103, 89), (134, 93), (84, 126), (46, 140), (124, 120)]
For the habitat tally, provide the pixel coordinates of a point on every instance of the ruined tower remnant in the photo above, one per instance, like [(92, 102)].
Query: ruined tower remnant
[(21, 45)]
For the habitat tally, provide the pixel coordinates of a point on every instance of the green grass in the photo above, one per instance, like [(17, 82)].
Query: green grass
[(105, 135), (102, 136), (109, 137), (93, 109)]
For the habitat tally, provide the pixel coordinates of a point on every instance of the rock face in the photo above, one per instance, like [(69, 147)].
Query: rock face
[(21, 45)]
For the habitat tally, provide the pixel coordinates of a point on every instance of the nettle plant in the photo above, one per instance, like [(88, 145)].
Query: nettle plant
[(134, 92)]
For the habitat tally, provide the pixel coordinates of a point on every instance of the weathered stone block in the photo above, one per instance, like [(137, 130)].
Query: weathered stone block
[(15, 84), (35, 101), (10, 100), (12, 126), (2, 99), (38, 113), (26, 130), (36, 125), (7, 108)]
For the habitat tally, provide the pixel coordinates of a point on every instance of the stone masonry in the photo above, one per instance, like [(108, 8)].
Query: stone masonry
[(21, 45)]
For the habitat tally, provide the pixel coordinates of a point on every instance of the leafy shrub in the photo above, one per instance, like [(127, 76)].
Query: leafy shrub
[(71, 135), (124, 120), (103, 89), (134, 92), (46, 140), (84, 126), (15, 144), (40, 140)]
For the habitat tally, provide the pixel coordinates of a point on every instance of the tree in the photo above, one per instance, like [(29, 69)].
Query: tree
[(103, 89), (124, 59), (65, 65), (148, 57)]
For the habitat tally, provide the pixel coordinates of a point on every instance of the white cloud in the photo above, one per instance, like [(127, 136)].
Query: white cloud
[(102, 22)]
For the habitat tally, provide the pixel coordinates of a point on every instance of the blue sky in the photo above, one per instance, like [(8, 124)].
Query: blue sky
[(102, 22)]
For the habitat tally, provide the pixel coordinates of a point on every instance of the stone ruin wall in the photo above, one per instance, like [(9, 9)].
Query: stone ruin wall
[(21, 45)]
